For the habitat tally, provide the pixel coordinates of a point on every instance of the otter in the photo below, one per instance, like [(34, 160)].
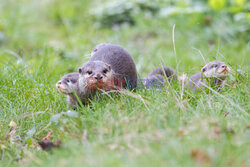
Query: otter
[(109, 63), (158, 75), (97, 47), (215, 71), (98, 74), (69, 84), (110, 67)]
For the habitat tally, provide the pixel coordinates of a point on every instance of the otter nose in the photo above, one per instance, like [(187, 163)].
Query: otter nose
[(58, 84), (98, 76), (224, 66)]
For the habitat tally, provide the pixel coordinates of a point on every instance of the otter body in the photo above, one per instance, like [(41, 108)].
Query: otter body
[(158, 75), (109, 61), (215, 71)]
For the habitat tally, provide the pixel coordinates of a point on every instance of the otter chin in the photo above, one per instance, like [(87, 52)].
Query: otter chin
[(62, 88), (97, 73), (93, 83)]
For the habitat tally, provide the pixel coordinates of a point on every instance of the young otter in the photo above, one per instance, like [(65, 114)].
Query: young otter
[(68, 85), (110, 62), (158, 75), (215, 71)]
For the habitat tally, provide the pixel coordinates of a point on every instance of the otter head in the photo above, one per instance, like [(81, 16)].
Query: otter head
[(95, 71), (216, 69), (68, 83)]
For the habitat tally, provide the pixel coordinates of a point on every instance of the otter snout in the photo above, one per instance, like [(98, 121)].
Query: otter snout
[(98, 76), (58, 84), (224, 69), (60, 87)]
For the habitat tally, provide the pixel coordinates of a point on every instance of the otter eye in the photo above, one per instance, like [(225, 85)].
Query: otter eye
[(105, 71), (89, 72), (214, 65), (68, 80)]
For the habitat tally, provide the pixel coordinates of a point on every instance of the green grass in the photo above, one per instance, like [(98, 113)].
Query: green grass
[(45, 40)]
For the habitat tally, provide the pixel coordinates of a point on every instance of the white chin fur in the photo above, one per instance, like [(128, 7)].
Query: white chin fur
[(92, 53), (108, 76), (66, 89), (72, 87), (82, 83)]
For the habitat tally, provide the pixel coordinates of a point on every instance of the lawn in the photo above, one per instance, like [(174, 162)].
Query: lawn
[(40, 41)]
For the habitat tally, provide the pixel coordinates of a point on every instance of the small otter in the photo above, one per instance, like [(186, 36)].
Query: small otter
[(68, 85), (110, 62), (216, 70), (157, 76)]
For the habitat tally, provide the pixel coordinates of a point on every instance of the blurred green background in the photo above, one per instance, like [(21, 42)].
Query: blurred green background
[(66, 31)]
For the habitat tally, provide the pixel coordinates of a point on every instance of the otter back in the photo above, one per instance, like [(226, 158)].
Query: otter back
[(156, 77)]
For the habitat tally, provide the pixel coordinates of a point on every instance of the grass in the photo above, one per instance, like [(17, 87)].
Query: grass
[(45, 40)]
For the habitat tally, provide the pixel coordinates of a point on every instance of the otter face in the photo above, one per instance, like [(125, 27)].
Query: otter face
[(68, 84), (215, 69), (96, 70)]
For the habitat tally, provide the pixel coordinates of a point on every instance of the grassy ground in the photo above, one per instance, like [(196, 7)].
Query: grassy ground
[(42, 41)]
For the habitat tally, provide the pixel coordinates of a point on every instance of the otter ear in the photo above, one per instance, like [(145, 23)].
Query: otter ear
[(80, 70)]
